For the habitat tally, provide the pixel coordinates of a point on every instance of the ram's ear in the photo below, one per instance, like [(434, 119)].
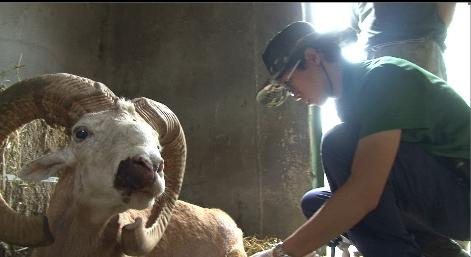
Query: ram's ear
[(47, 166)]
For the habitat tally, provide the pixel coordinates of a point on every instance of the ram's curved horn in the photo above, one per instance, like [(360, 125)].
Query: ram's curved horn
[(137, 238), (60, 99)]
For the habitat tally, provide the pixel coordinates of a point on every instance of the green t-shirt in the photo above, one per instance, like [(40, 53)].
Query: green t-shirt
[(391, 93)]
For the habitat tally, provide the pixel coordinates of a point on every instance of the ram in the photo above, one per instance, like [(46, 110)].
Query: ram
[(119, 178)]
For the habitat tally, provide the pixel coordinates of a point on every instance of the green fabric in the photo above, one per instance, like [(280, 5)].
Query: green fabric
[(391, 93)]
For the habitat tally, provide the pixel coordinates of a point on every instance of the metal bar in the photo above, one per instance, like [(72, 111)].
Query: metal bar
[(315, 136)]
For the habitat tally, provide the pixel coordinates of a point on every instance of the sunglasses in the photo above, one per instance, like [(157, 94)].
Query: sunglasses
[(277, 84)]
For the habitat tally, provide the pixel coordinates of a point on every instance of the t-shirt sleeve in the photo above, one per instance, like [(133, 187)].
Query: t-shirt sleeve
[(392, 98)]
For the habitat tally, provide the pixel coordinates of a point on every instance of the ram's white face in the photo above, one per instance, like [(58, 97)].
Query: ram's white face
[(115, 157)]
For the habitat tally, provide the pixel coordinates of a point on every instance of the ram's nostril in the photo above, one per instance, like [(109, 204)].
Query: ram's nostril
[(158, 167), (133, 175), (141, 163)]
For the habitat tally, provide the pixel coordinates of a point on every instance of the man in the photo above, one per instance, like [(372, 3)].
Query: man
[(399, 159), (415, 32)]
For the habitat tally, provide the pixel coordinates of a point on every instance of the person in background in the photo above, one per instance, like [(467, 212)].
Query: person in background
[(412, 31), (397, 164)]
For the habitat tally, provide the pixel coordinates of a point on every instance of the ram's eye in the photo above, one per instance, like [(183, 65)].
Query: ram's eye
[(80, 133)]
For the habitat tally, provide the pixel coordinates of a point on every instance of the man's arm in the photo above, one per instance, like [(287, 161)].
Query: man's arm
[(371, 166), (446, 11)]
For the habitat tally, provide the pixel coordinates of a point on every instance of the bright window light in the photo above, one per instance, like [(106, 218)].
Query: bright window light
[(336, 16), (456, 55), (333, 17)]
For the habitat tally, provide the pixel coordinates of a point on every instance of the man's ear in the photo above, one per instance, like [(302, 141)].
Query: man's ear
[(47, 166), (312, 55)]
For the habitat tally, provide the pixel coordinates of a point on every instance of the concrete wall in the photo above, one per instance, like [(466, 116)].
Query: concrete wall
[(283, 141), (51, 38), (201, 60)]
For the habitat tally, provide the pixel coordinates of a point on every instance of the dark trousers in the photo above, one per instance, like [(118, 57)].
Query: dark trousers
[(422, 195)]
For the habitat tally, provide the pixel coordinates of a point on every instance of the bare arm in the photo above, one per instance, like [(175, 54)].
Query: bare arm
[(446, 11), (354, 200)]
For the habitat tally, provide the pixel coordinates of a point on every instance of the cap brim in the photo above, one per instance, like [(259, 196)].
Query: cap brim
[(272, 95)]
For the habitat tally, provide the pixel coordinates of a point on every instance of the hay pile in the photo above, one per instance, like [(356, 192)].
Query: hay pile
[(252, 244), (20, 147), (13, 251)]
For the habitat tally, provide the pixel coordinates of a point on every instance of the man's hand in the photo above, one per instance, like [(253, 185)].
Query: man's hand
[(266, 253)]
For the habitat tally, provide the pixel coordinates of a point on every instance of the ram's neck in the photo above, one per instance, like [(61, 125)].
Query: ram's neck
[(76, 233)]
